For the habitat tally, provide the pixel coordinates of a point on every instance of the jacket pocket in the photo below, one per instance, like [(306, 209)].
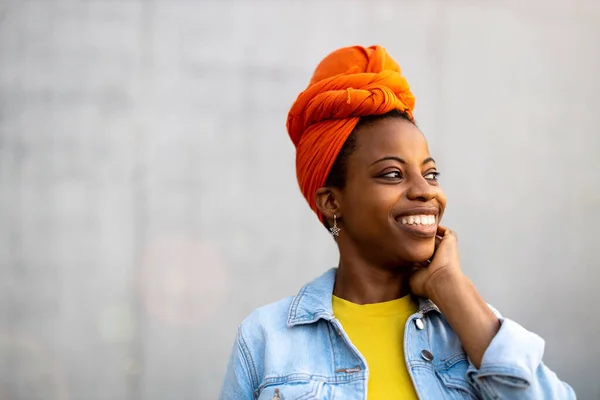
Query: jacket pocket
[(453, 375), (290, 389)]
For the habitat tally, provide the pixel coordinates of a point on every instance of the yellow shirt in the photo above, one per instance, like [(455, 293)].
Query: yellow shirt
[(377, 331)]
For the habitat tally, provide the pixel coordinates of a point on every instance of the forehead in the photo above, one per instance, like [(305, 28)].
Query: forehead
[(391, 137)]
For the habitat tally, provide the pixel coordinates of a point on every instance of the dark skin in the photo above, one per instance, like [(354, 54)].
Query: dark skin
[(391, 177)]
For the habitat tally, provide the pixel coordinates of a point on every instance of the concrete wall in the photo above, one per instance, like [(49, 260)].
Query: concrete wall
[(148, 199)]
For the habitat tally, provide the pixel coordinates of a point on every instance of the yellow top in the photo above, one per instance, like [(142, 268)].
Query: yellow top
[(377, 331)]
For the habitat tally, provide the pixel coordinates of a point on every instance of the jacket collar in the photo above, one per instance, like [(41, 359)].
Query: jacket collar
[(313, 301)]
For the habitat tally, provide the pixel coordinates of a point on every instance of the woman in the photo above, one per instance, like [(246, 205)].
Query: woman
[(397, 319)]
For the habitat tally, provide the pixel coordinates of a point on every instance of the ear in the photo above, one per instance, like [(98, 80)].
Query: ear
[(328, 202)]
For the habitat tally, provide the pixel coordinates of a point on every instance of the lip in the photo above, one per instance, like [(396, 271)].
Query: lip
[(422, 231)]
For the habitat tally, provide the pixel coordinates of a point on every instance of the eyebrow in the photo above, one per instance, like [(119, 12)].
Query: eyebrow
[(401, 160)]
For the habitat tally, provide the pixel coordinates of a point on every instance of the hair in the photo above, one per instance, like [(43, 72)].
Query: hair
[(339, 169)]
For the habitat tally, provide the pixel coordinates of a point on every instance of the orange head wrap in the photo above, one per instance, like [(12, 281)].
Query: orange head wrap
[(350, 83)]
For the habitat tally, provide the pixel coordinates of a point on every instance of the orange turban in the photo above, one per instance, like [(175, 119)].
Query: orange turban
[(350, 83)]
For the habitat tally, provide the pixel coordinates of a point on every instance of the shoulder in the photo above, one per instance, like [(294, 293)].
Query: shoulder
[(246, 365), (266, 319), (262, 329)]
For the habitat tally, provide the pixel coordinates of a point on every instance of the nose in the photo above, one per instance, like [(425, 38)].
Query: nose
[(421, 190)]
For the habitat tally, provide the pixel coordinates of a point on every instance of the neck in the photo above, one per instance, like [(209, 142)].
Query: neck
[(361, 282)]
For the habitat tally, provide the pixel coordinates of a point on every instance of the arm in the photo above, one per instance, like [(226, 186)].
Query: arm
[(237, 384), (469, 316), (506, 359)]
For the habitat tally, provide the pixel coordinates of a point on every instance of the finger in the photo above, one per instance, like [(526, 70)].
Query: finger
[(441, 231), (445, 232)]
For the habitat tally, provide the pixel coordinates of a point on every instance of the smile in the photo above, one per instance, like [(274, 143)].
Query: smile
[(419, 225), (424, 220)]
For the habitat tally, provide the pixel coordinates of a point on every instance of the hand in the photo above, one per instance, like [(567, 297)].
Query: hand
[(445, 265)]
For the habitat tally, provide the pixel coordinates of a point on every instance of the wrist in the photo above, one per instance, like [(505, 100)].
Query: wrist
[(440, 285)]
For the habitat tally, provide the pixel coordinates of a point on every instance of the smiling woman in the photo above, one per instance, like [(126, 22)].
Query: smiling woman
[(397, 318)]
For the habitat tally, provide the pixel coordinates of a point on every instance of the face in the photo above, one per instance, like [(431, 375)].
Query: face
[(392, 202)]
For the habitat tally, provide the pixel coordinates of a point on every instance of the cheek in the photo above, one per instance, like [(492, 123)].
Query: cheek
[(372, 202), (441, 198)]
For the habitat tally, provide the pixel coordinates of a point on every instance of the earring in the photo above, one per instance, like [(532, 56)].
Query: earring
[(335, 231)]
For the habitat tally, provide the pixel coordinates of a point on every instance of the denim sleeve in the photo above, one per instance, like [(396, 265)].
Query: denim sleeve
[(512, 368), (238, 382)]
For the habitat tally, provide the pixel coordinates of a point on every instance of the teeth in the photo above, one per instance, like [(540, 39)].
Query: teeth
[(418, 220)]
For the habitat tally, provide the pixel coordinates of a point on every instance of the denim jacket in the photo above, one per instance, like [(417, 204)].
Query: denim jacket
[(296, 349)]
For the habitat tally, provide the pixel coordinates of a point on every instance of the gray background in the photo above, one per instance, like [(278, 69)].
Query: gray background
[(148, 199)]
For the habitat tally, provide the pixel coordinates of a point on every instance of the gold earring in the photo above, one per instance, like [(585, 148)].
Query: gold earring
[(335, 231)]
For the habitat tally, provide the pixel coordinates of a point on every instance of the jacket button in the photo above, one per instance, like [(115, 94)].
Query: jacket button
[(427, 356), (419, 323)]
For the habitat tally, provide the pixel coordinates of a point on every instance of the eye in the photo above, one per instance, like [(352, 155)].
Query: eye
[(392, 175), (432, 176)]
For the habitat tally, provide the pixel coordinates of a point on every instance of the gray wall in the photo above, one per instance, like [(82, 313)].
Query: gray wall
[(148, 199)]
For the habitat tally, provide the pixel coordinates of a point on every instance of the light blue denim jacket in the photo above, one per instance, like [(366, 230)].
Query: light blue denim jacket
[(296, 349)]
